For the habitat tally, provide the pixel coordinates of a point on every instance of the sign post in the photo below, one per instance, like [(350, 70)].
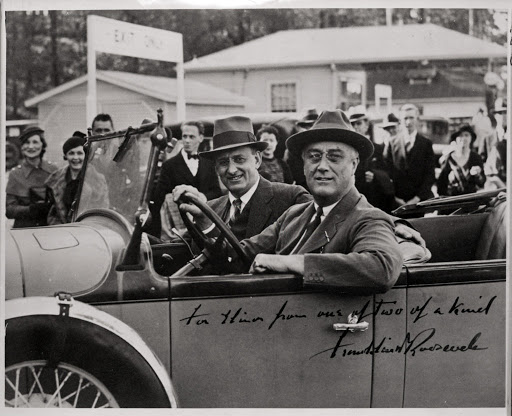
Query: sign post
[(128, 39)]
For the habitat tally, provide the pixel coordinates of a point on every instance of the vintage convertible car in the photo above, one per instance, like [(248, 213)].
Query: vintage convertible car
[(100, 314)]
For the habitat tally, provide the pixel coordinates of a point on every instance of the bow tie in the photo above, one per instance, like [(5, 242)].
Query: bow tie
[(196, 156)]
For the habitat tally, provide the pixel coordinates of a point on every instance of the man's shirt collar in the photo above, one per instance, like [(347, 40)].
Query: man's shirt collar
[(245, 198), (327, 209)]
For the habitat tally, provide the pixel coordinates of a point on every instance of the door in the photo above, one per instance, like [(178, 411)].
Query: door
[(456, 339), (271, 351)]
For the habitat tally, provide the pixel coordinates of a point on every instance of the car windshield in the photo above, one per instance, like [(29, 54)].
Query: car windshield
[(116, 184)]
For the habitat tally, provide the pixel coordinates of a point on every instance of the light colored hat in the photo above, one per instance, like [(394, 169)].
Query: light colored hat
[(357, 113), (392, 121)]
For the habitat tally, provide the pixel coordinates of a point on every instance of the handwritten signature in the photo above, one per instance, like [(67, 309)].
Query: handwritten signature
[(422, 342)]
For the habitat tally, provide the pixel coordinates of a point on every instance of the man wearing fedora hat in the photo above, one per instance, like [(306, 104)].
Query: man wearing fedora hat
[(295, 163), (253, 202), (338, 239), (372, 178)]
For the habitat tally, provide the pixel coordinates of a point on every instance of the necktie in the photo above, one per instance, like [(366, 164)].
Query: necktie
[(196, 156), (237, 203), (312, 226), (408, 146)]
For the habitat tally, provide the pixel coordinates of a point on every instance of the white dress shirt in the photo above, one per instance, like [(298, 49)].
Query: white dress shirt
[(193, 164)]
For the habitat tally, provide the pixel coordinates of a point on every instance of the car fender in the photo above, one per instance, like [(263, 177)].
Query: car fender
[(51, 307), (48, 259)]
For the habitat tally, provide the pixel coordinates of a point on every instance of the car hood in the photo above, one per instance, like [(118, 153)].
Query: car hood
[(42, 261)]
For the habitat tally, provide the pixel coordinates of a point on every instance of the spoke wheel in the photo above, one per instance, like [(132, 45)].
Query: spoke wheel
[(35, 384)]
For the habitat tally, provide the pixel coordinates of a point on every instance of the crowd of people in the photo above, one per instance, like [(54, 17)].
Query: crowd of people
[(401, 170)]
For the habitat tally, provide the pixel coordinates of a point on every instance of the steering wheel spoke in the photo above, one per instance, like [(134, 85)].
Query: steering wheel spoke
[(203, 241)]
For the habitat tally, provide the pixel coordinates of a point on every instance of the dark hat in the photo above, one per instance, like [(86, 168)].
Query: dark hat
[(391, 122), (463, 128), (309, 119), (78, 133), (28, 132), (331, 126), (358, 113), (73, 142), (232, 132)]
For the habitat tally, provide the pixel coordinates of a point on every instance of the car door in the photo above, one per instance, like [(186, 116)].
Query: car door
[(267, 348), (455, 342)]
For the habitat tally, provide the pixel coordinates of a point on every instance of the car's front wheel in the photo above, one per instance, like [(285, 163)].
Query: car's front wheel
[(80, 358), (37, 384)]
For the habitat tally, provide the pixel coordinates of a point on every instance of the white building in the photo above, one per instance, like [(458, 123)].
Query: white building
[(438, 69), (128, 98)]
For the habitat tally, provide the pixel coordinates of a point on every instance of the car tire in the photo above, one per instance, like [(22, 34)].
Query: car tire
[(76, 349)]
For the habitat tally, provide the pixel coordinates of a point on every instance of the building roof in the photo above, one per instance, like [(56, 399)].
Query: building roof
[(162, 88), (362, 44)]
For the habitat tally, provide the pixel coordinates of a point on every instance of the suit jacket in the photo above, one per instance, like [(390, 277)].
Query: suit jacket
[(267, 204), (354, 248), (414, 175), (175, 172)]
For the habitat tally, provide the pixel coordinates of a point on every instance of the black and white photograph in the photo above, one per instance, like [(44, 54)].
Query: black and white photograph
[(258, 205)]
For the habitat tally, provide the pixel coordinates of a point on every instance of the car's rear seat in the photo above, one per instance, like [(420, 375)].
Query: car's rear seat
[(492, 243)]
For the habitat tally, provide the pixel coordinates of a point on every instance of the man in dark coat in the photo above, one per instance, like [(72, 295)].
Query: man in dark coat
[(237, 157), (338, 239), (372, 178), (410, 160), (186, 168)]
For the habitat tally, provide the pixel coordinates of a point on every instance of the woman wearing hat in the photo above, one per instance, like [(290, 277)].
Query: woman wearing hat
[(63, 184), (462, 170), (25, 200)]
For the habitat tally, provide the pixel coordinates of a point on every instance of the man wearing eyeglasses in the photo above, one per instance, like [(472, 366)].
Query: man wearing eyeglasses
[(252, 203), (338, 239)]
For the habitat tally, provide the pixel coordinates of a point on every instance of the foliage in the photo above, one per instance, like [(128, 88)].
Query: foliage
[(45, 50)]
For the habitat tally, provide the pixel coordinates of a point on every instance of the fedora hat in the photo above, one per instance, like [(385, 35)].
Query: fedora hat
[(357, 113), (308, 119), (391, 122), (233, 132), (332, 126), (501, 108)]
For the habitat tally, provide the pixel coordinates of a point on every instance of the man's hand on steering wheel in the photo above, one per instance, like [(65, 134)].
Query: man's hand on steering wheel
[(200, 218), (191, 201)]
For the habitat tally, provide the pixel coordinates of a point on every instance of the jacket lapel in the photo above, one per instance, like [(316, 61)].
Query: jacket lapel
[(260, 208), (183, 168), (295, 229), (327, 230)]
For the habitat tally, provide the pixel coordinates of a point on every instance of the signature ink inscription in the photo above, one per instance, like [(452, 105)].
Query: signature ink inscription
[(239, 317), (422, 342), (195, 317), (281, 316), (458, 307), (420, 310)]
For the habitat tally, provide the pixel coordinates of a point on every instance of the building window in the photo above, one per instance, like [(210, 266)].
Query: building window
[(283, 97), (351, 94)]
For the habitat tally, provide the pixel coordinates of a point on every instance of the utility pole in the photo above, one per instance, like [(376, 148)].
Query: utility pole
[(389, 17), (470, 23)]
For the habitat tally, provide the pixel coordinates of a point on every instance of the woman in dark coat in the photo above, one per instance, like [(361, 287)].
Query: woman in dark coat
[(25, 199), (462, 170), (63, 184)]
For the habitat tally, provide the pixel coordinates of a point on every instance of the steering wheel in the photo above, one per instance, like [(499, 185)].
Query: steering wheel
[(225, 232)]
